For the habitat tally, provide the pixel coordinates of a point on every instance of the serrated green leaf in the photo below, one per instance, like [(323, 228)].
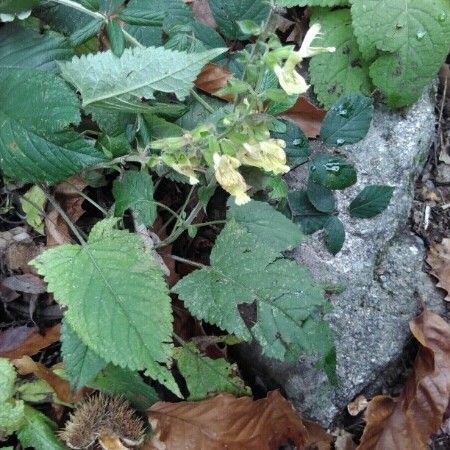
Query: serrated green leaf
[(205, 376), (292, 3), (25, 48), (348, 121), (411, 38), (106, 81), (39, 432), (81, 364), (244, 269), (371, 201), (228, 14), (135, 191), (115, 380), (321, 198), (7, 380), (270, 226), (117, 299), (334, 235), (344, 71), (34, 145), (86, 32), (33, 202), (116, 37), (332, 172), (297, 145), (278, 187)]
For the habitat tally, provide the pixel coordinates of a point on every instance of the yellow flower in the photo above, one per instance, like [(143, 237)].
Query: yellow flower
[(181, 164), (229, 178), (268, 155), (288, 77), (306, 51)]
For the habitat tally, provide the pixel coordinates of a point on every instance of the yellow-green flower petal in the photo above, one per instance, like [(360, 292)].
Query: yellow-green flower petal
[(268, 155)]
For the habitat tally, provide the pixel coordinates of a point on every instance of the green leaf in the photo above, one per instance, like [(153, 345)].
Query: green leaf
[(344, 71), (116, 37), (297, 145), (135, 191), (245, 269), (22, 47), (205, 376), (7, 380), (332, 172), (371, 201), (305, 213), (33, 203), (16, 6), (228, 14), (34, 145), (410, 38), (81, 364), (292, 3), (311, 224), (267, 224), (348, 121), (334, 235), (115, 380), (320, 197), (106, 81), (278, 187), (117, 299), (38, 432)]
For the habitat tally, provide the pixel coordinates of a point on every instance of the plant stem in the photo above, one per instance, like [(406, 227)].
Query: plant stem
[(131, 39), (201, 101), (212, 222), (187, 261), (174, 214), (81, 8), (63, 214)]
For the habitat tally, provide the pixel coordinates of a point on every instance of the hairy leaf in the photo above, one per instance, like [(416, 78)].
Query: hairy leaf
[(81, 364), (135, 191), (205, 376), (245, 269), (267, 224), (344, 71), (117, 300), (7, 380), (36, 108), (332, 172), (25, 48), (226, 422), (348, 121), (103, 80), (227, 14), (408, 421), (410, 38), (371, 201)]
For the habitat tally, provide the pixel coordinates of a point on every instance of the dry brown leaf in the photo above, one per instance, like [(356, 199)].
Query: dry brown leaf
[(356, 406), (226, 422), (19, 254), (202, 12), (344, 441), (407, 422), (26, 366), (212, 78), (306, 116), (439, 260), (318, 438), (29, 283), (19, 341)]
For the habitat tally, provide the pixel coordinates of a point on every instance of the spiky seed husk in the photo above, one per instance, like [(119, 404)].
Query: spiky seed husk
[(99, 415)]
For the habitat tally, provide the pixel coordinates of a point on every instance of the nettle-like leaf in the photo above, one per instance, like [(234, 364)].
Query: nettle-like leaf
[(111, 82), (81, 364), (271, 227), (38, 432), (135, 191), (117, 299), (344, 71), (36, 107), (25, 48), (348, 121), (371, 201), (228, 13), (292, 3), (205, 376), (245, 269), (411, 38), (332, 172)]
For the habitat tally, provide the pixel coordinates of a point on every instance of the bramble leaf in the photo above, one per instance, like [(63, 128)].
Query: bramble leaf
[(371, 201), (344, 71), (244, 269), (334, 235), (332, 172), (118, 302)]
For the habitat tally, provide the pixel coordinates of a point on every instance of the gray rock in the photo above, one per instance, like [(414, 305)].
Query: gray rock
[(380, 266)]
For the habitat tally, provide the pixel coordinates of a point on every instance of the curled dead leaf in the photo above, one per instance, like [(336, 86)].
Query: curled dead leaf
[(358, 405), (212, 78), (439, 260), (407, 422), (318, 438), (226, 422), (20, 341), (306, 116)]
